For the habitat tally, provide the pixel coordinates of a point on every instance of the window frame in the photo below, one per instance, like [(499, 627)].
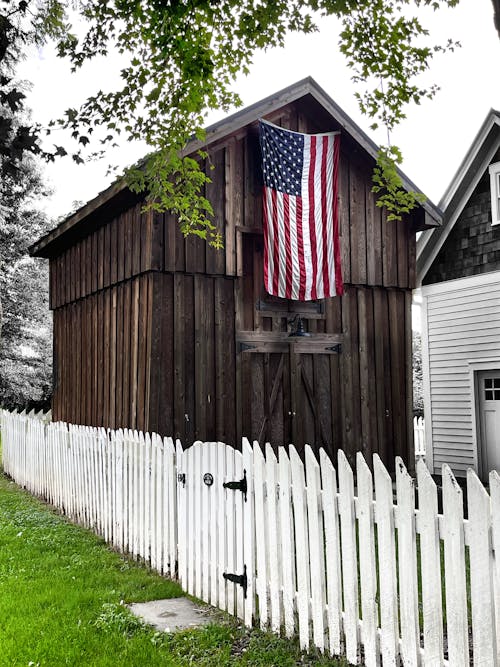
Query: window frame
[(494, 170)]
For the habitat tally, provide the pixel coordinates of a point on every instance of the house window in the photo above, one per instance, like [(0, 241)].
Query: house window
[(492, 389), (495, 193)]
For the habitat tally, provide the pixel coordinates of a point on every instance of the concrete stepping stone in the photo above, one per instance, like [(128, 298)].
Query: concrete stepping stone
[(173, 614)]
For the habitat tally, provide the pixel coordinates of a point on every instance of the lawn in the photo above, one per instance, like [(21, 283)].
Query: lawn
[(61, 603)]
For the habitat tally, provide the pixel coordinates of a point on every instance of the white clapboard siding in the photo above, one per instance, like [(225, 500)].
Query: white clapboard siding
[(461, 323), (328, 555)]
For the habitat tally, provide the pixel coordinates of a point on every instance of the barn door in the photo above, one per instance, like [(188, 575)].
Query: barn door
[(215, 562), (286, 388)]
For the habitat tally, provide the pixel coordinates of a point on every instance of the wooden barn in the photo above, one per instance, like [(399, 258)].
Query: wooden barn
[(156, 332)]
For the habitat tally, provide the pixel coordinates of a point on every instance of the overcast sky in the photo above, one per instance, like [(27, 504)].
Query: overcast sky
[(434, 138)]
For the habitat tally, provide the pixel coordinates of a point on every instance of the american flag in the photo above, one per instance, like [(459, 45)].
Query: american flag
[(301, 244)]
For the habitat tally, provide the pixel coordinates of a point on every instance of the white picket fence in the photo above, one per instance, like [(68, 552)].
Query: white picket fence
[(326, 551)]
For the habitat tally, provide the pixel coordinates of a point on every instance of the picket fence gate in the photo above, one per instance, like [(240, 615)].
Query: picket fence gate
[(291, 542)]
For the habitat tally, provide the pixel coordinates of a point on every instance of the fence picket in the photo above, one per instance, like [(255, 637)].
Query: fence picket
[(454, 565), (260, 533), (407, 562), (221, 528), (230, 536), (238, 533), (430, 554), (367, 567), (287, 555), (214, 491), (332, 551), (494, 480), (316, 547), (386, 536), (481, 566), (249, 533), (182, 524), (301, 545), (273, 537), (349, 557)]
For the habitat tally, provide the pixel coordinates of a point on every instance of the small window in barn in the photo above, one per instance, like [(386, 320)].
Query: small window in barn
[(495, 192)]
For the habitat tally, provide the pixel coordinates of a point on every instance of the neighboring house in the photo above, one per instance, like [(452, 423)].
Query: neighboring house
[(156, 332), (459, 270)]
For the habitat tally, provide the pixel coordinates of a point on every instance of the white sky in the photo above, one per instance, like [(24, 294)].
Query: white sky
[(434, 138)]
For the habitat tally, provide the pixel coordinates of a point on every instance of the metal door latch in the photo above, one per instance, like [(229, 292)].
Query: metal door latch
[(181, 478), (239, 486), (240, 579)]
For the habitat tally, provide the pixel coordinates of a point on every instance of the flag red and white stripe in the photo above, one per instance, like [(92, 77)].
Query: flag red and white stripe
[(301, 243)]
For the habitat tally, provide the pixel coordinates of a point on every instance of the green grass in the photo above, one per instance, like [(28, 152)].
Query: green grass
[(61, 603)]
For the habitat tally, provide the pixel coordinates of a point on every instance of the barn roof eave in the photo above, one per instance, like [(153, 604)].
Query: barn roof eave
[(45, 246), (465, 180)]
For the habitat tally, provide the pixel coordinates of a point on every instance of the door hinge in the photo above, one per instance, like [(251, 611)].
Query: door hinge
[(335, 348), (240, 579), (240, 485)]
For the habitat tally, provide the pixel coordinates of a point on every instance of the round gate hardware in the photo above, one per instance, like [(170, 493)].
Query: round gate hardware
[(208, 478)]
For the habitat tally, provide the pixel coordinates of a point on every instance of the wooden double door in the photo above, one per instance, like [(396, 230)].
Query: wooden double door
[(289, 388)]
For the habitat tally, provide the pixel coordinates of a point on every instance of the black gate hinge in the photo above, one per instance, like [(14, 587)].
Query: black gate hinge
[(335, 348), (239, 486), (240, 579)]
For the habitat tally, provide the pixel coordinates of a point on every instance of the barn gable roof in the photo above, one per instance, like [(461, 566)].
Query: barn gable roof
[(471, 170), (118, 195)]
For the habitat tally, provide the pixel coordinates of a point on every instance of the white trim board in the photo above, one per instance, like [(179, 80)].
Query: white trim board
[(490, 278)]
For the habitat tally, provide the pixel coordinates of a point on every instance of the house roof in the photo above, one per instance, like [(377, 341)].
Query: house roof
[(118, 193), (458, 193)]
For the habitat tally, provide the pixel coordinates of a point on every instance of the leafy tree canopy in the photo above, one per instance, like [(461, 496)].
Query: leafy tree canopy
[(183, 57)]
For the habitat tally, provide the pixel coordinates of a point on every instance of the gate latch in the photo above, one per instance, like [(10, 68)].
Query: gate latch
[(239, 486), (240, 579)]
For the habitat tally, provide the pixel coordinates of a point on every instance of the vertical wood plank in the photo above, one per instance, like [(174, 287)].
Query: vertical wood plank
[(454, 568), (349, 557), (481, 573), (301, 546), (273, 536), (249, 532), (494, 480), (332, 553), (432, 608), (407, 564), (316, 547), (367, 566), (260, 533)]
